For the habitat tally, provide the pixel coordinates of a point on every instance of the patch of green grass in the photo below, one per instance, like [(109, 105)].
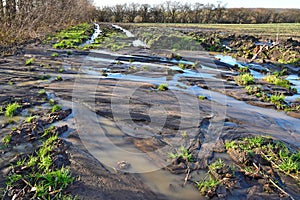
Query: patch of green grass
[(55, 108), (54, 54), (74, 36), (10, 83), (183, 153), (48, 131), (61, 70), (11, 109), (44, 180), (276, 152), (249, 143), (244, 79), (207, 185), (6, 140), (218, 164), (163, 87), (201, 97), (230, 145), (30, 119), (277, 80), (30, 61), (252, 89), (42, 92), (182, 66), (44, 77), (58, 78), (51, 102), (277, 98)]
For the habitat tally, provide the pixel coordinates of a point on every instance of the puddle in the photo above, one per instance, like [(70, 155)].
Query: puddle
[(229, 60)]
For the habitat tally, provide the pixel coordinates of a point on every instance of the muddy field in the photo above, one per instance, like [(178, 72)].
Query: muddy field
[(151, 114)]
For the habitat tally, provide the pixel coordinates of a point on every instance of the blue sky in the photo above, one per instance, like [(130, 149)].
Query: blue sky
[(229, 3)]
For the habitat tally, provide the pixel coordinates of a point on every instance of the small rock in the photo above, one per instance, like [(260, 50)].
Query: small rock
[(123, 165)]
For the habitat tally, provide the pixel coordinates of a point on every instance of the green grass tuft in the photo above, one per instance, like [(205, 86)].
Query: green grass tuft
[(163, 87), (244, 79), (30, 61), (55, 108), (11, 109)]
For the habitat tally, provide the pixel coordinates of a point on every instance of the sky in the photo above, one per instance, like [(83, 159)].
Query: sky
[(228, 3)]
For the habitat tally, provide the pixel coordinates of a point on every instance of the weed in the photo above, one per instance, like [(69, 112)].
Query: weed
[(276, 152), (205, 185), (133, 68), (42, 92), (11, 109), (30, 61), (276, 80), (1, 109), (10, 83), (250, 143), (201, 97), (54, 54), (44, 77), (73, 37), (277, 98), (230, 145), (218, 164), (184, 134), (30, 119), (6, 140), (58, 78), (244, 79), (45, 181), (163, 87), (253, 89), (183, 153), (288, 165), (182, 66), (47, 132), (55, 108), (51, 102), (69, 52), (61, 70)]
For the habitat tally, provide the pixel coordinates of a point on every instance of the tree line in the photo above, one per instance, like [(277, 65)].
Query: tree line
[(22, 20), (176, 12)]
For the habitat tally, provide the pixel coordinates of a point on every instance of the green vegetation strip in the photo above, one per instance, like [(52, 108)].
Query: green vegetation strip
[(277, 153), (38, 176), (73, 37)]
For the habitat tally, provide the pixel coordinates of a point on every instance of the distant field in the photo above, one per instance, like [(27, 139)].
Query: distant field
[(283, 30)]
